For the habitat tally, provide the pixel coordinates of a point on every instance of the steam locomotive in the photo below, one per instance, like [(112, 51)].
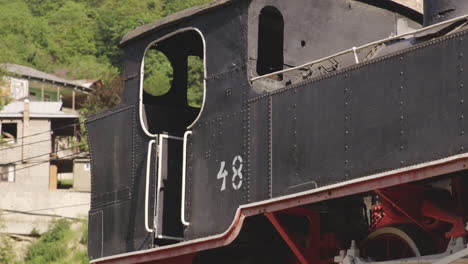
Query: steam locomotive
[(331, 131)]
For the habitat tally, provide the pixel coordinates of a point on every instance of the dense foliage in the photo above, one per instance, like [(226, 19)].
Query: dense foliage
[(60, 244), (78, 38)]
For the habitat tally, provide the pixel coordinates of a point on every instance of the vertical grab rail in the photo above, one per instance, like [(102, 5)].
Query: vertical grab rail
[(148, 171), (184, 173)]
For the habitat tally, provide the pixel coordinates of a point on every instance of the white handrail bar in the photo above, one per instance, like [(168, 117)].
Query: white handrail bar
[(148, 171), (356, 49), (184, 174)]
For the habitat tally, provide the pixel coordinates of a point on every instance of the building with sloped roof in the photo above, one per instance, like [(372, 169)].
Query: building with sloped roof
[(40, 150)]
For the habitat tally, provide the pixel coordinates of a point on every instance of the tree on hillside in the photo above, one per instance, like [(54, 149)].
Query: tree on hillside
[(80, 37)]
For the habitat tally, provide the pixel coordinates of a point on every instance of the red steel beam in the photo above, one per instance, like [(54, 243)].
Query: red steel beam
[(298, 251)]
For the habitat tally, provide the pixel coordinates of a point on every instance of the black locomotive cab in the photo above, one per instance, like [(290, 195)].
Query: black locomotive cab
[(167, 113), (250, 109)]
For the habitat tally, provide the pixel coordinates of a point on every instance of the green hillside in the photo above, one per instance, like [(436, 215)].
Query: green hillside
[(78, 38)]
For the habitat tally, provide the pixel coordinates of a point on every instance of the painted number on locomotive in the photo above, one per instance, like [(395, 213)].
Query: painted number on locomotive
[(237, 178)]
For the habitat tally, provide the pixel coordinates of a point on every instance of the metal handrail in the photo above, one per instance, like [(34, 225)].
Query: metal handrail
[(184, 174), (148, 171), (356, 49)]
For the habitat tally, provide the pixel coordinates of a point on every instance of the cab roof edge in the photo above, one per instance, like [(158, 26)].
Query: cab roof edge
[(171, 19)]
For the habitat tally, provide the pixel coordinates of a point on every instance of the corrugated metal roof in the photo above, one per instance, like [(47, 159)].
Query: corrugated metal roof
[(28, 72), (36, 110)]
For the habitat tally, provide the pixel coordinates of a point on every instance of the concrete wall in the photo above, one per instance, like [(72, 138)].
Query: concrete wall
[(82, 175), (25, 210), (27, 202)]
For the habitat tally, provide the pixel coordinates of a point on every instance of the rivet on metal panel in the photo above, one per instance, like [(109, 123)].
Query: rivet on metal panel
[(402, 162), (462, 133), (346, 161), (462, 148), (402, 147), (346, 147), (462, 101), (461, 85)]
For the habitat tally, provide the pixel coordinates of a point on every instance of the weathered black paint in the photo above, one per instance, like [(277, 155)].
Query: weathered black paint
[(436, 11), (402, 109)]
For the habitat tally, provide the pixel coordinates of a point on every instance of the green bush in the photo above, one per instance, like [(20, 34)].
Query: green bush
[(51, 246), (6, 252)]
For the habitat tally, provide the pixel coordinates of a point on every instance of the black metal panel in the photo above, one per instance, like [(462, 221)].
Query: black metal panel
[(214, 145), (260, 141), (436, 11), (398, 111), (308, 136), (430, 103), (372, 118), (225, 95), (225, 39), (115, 180), (95, 238), (318, 28), (118, 163)]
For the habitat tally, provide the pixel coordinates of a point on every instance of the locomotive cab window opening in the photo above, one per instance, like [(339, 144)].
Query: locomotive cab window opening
[(172, 95), (270, 57), (173, 83)]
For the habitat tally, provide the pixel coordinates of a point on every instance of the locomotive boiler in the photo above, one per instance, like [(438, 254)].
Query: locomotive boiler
[(329, 131)]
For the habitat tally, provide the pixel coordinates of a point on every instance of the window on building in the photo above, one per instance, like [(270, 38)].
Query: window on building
[(9, 132), (47, 98), (7, 173), (19, 88), (270, 57)]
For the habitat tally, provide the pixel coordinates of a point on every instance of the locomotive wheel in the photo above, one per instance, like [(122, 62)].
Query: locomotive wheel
[(390, 243)]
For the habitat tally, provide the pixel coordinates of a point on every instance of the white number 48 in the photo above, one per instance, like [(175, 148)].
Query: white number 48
[(237, 178)]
